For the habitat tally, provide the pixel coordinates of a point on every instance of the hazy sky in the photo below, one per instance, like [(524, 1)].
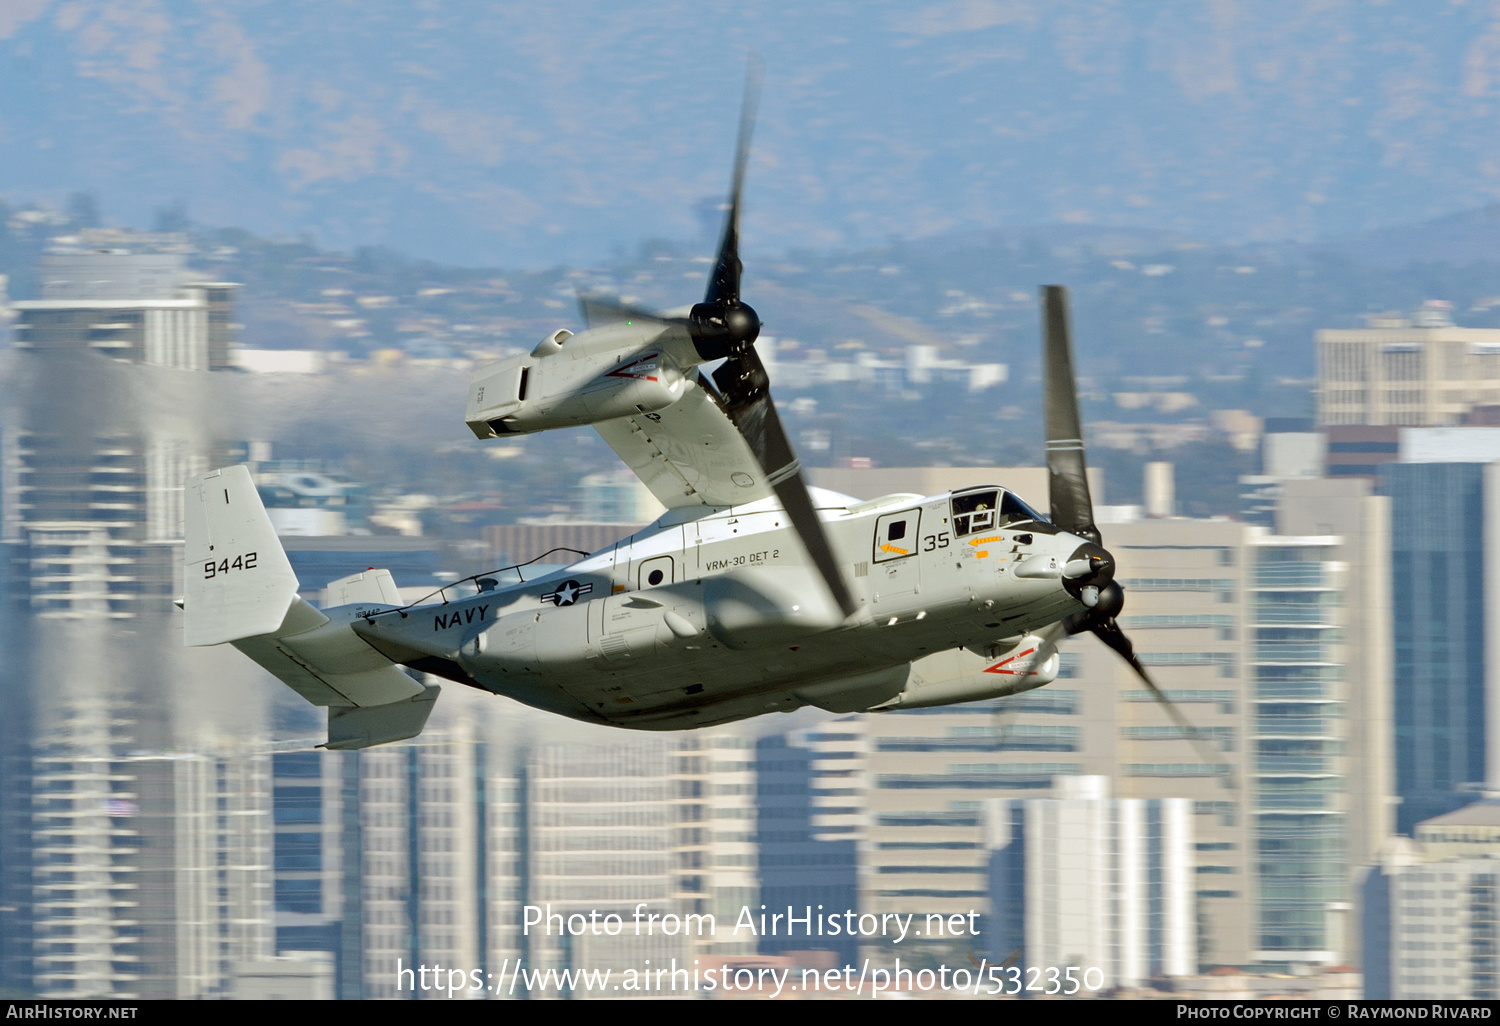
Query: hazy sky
[(535, 134)]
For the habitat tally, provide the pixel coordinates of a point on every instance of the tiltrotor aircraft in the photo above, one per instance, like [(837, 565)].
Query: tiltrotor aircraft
[(753, 593)]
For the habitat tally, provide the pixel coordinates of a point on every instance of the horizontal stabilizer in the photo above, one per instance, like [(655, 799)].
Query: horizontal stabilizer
[(327, 663), (379, 724)]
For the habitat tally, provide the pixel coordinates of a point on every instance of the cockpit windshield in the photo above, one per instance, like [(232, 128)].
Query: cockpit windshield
[(985, 510), (1012, 509)]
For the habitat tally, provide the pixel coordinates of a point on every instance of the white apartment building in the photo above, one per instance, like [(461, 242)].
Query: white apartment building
[(1088, 880), (1398, 370), (112, 420), (1434, 925), (151, 875), (1444, 921)]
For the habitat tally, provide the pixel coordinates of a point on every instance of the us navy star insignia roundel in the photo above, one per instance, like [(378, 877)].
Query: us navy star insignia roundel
[(566, 593)]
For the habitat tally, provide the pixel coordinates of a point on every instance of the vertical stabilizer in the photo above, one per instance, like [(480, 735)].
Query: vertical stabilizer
[(238, 582)]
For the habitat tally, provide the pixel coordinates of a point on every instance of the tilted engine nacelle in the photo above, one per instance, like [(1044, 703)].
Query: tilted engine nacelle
[(1008, 668), (553, 387)]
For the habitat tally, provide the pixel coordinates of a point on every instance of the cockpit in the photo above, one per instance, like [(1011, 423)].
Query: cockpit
[(984, 509)]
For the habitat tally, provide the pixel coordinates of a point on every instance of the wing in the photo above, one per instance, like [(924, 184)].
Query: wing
[(690, 453)]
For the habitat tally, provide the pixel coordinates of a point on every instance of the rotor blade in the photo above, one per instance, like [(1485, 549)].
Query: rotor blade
[(597, 310), (744, 388), (1109, 632), (1067, 471), (724, 286)]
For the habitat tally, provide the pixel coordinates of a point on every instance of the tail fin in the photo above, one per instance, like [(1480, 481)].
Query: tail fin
[(240, 588), (238, 582)]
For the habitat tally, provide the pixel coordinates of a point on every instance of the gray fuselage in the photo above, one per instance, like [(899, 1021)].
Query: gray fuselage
[(693, 622)]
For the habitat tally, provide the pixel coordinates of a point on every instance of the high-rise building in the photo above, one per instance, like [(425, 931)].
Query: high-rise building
[(1290, 450), (1444, 921), (1442, 485), (480, 843), (1445, 495), (133, 868), (136, 842), (426, 872), (1438, 563), (392, 858), (113, 417), (1299, 810), (717, 849), (1434, 926), (1091, 881), (307, 849), (1444, 489), (1187, 592), (809, 825), (1398, 370), (929, 773), (131, 296), (1303, 653), (1349, 692)]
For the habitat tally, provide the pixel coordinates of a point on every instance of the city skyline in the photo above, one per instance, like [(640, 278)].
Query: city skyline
[(174, 799)]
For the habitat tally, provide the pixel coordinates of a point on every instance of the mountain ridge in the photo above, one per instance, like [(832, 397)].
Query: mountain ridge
[(550, 134)]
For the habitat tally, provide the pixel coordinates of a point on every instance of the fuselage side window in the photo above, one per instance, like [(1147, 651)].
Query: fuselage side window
[(896, 535)]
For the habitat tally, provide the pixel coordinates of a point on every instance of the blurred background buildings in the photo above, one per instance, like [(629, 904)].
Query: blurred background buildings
[(168, 829)]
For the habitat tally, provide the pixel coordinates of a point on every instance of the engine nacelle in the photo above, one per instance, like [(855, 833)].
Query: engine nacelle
[(553, 387), (1016, 665)]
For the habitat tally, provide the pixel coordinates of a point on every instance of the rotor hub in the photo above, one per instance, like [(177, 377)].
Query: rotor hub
[(1090, 566), (742, 324), (1109, 602), (722, 328)]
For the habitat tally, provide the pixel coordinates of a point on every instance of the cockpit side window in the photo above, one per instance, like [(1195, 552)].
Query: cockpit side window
[(974, 511), (986, 510)]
